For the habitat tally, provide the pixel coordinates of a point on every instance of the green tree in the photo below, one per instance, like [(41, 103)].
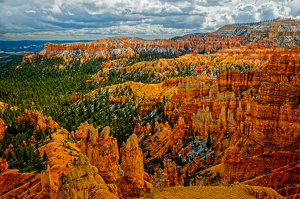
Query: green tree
[(208, 140), (45, 157)]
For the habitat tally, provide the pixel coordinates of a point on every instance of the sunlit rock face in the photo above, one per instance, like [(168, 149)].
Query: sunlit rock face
[(37, 120), (283, 32), (236, 115), (2, 129), (60, 159), (118, 47), (252, 115), (101, 149), (83, 181), (132, 183)]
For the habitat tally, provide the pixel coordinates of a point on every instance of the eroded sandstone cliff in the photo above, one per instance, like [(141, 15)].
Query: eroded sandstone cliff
[(101, 149), (132, 183)]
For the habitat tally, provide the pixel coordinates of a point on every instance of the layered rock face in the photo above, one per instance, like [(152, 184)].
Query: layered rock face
[(48, 188), (61, 154), (251, 113), (283, 32), (102, 150), (83, 181), (2, 129), (18, 184), (37, 120), (134, 47), (132, 183), (3, 165), (249, 59)]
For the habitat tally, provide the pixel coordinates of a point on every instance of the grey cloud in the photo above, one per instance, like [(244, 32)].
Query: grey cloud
[(153, 18)]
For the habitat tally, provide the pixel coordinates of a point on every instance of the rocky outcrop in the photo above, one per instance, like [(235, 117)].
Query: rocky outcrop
[(132, 183), (18, 184), (250, 111), (117, 47), (102, 150), (74, 97), (61, 154), (49, 191), (2, 129), (283, 32), (3, 165), (83, 181), (168, 176), (279, 178), (37, 120)]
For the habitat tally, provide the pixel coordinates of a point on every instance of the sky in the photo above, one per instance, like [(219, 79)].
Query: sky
[(147, 19)]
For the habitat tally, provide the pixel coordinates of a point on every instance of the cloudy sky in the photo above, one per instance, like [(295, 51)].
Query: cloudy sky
[(148, 19)]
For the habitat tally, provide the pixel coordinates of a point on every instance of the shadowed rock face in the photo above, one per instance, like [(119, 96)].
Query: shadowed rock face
[(102, 150)]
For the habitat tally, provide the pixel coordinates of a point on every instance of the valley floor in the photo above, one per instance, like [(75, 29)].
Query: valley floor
[(214, 192)]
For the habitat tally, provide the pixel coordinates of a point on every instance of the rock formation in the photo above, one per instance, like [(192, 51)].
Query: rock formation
[(18, 184), (2, 129), (83, 181), (133, 47), (74, 97), (37, 120), (48, 189), (283, 32), (168, 176), (235, 118), (132, 183), (251, 113), (3, 165), (102, 150)]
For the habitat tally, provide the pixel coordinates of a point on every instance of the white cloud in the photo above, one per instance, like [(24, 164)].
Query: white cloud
[(153, 18)]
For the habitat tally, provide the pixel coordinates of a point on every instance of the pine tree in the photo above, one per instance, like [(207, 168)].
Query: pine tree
[(208, 141), (45, 157)]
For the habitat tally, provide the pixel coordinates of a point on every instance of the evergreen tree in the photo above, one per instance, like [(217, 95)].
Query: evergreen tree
[(208, 141), (45, 157)]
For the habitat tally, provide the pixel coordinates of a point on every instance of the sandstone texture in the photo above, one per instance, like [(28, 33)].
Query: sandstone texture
[(216, 192), (37, 120), (132, 183), (233, 119), (2, 129), (101, 149), (282, 32), (83, 181), (250, 111)]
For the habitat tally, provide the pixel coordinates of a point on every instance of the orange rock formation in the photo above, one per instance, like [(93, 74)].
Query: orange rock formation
[(132, 183), (37, 120), (83, 181), (2, 129), (252, 115), (117, 47), (102, 150)]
